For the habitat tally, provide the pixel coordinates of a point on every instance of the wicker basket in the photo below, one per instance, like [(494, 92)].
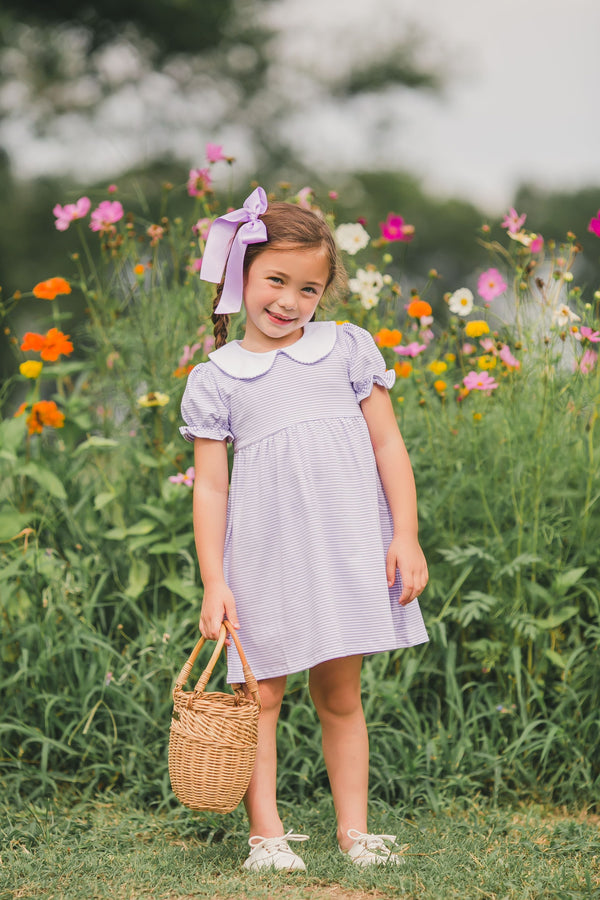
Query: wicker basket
[(212, 743)]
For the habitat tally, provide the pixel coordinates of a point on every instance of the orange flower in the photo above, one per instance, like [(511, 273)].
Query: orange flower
[(182, 371), (440, 385), (48, 290), (388, 338), (138, 269), (49, 346), (403, 369), (418, 308), (44, 412), (20, 410)]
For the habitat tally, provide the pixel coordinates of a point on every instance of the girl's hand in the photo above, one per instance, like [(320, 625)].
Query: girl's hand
[(218, 604), (405, 554)]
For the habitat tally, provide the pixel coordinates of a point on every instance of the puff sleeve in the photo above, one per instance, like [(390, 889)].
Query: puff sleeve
[(202, 408), (366, 365)]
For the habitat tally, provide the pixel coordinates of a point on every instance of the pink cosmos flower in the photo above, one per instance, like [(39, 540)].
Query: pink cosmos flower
[(70, 212), (394, 229), (188, 354), (513, 221), (304, 196), (590, 334), (588, 361), (594, 225), (106, 214), (112, 188), (536, 244), (186, 477), (214, 153), (479, 381), (413, 349), (467, 349), (508, 359), (196, 265), (333, 195), (201, 228), (490, 285), (488, 345), (199, 182)]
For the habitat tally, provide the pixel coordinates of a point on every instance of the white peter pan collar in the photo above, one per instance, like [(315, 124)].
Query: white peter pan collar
[(316, 343)]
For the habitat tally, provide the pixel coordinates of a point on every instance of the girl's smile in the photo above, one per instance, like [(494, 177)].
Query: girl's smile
[(282, 290)]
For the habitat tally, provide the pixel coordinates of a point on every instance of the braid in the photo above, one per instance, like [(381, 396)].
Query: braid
[(220, 323)]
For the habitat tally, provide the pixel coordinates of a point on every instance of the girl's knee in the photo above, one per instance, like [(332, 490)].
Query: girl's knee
[(271, 692), (334, 695)]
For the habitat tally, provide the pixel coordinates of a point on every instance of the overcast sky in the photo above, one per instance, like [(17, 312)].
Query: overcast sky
[(520, 100)]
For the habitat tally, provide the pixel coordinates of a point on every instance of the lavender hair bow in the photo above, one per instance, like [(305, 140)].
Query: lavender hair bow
[(226, 246)]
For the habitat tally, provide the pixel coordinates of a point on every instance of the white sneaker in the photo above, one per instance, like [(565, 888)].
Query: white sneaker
[(274, 853), (372, 849)]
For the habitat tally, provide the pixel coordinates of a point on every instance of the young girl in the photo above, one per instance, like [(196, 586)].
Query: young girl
[(312, 551)]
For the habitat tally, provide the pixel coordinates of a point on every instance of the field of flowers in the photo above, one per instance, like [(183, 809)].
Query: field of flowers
[(497, 396)]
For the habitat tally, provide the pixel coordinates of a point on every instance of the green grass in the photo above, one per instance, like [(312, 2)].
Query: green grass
[(106, 848)]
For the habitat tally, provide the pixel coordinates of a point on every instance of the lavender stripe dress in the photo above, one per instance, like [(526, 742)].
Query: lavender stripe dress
[(308, 524)]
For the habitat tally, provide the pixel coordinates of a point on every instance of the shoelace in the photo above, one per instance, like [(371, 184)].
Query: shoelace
[(372, 842), (275, 843)]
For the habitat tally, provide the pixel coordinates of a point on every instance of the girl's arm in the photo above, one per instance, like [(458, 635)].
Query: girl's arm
[(211, 488), (398, 482)]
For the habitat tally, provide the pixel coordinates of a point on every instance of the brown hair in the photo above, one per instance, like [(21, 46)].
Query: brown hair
[(288, 227)]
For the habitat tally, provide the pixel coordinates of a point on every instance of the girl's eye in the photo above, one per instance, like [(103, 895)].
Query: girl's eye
[(275, 279), (310, 290)]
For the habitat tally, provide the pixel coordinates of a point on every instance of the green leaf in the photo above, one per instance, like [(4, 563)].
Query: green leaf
[(144, 526), (12, 432), (557, 618), (145, 459), (45, 478), (555, 658), (185, 589), (96, 443), (11, 523), (139, 574), (179, 542), (565, 580), (102, 499)]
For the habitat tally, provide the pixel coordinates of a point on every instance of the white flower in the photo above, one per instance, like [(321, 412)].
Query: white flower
[(367, 281), (563, 314), (369, 300), (351, 237), (461, 302)]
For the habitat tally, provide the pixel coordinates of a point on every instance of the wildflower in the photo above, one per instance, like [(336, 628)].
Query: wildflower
[(477, 417), (467, 349), (31, 368), (304, 197), (418, 308), (112, 189), (588, 361), (513, 221), (508, 359), (196, 265), (461, 302), (20, 410), (201, 228), (50, 346), (183, 371), (440, 385), (537, 243), (105, 215), (155, 233), (351, 237), (44, 412), (451, 357), (413, 349), (186, 477), (154, 398), (199, 182), (139, 269), (388, 338), (367, 285), (48, 290), (403, 369), (590, 334), (333, 195), (108, 678), (70, 212), (214, 153), (479, 381), (563, 314), (488, 345), (487, 361), (394, 229), (476, 328), (437, 366), (594, 225), (490, 285), (189, 353)]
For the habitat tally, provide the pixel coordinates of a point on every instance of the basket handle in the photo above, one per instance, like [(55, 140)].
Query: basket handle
[(251, 682)]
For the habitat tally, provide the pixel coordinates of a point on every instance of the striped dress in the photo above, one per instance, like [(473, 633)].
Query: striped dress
[(308, 524)]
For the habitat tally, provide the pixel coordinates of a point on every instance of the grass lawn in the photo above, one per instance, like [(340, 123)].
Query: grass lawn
[(108, 849)]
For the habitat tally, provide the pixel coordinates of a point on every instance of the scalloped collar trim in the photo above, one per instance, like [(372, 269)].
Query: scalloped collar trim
[(316, 343)]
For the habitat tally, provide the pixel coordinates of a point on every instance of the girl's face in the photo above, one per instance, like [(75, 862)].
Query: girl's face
[(282, 289)]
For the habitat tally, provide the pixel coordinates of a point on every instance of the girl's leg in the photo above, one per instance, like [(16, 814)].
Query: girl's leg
[(335, 689), (261, 797)]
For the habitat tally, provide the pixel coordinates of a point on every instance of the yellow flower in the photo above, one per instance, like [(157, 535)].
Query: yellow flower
[(451, 357), (154, 398), (440, 385), (437, 366), (31, 368), (477, 417), (476, 328), (487, 361)]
